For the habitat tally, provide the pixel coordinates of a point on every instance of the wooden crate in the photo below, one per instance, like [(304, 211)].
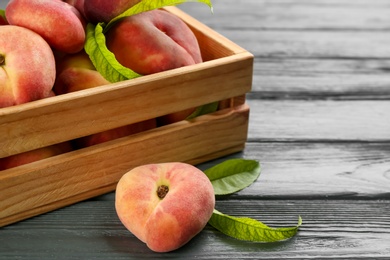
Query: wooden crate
[(45, 185)]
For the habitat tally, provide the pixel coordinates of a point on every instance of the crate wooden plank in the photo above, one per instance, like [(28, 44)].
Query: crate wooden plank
[(66, 117), (68, 178)]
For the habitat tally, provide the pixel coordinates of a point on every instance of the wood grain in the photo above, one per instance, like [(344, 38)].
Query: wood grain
[(312, 44), (362, 120), (336, 79), (342, 229), (66, 117), (325, 170), (294, 15), (68, 178), (321, 50), (319, 124)]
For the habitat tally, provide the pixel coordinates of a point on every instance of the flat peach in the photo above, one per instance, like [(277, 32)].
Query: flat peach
[(165, 205)]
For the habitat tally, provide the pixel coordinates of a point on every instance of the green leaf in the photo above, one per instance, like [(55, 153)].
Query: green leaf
[(2, 14), (104, 60), (233, 175), (147, 5), (203, 110), (248, 229)]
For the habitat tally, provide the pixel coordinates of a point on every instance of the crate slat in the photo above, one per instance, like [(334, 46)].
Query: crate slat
[(68, 178), (66, 117)]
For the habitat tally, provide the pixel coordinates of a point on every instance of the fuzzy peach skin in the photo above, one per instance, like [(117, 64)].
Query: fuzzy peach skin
[(34, 155), (153, 41), (79, 5), (165, 223), (76, 72), (27, 66), (104, 11), (59, 23)]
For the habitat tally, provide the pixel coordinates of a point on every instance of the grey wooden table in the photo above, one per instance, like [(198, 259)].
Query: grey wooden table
[(319, 124)]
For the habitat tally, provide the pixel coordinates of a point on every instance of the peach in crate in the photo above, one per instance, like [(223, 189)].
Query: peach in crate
[(225, 76)]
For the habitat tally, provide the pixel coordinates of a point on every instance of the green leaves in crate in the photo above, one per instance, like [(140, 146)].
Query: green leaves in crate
[(2, 13), (104, 60), (203, 110), (3, 19), (233, 175), (95, 45), (248, 229)]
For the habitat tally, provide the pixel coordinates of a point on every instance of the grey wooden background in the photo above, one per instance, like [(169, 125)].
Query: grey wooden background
[(319, 124)]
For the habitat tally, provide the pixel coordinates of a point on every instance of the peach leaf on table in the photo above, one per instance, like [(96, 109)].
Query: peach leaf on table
[(232, 176)]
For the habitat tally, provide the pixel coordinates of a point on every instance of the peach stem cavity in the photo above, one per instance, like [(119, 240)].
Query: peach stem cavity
[(2, 60), (162, 191)]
